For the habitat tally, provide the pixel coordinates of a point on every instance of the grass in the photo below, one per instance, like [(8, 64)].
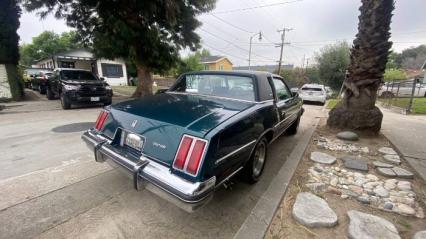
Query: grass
[(419, 104), (331, 103)]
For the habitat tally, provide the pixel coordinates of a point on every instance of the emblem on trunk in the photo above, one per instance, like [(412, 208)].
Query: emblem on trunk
[(134, 123)]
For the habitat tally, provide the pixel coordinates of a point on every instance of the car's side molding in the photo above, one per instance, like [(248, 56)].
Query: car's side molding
[(234, 152)]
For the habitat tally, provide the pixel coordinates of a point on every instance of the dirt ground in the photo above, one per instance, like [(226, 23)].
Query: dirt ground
[(284, 226)]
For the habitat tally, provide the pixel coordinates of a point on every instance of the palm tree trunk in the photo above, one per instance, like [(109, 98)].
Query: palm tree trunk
[(144, 87), (369, 55)]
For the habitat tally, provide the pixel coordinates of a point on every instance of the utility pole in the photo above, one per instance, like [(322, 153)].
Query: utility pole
[(307, 63), (251, 38), (282, 46)]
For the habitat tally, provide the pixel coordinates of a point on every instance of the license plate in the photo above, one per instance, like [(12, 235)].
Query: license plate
[(94, 99), (133, 140)]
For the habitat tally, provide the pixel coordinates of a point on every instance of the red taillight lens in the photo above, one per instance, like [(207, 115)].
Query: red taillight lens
[(101, 120), (182, 154), (190, 154), (195, 159)]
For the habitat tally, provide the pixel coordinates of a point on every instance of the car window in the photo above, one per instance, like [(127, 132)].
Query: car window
[(281, 89), (77, 75), (236, 87)]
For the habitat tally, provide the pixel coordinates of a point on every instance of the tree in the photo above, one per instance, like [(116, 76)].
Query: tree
[(369, 56), (48, 43), (333, 61), (190, 63), (150, 33), (394, 74), (9, 53), (411, 58)]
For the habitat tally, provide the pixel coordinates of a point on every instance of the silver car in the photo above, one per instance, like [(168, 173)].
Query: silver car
[(313, 93)]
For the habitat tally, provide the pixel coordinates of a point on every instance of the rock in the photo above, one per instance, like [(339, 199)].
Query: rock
[(404, 209), (420, 235), (381, 192), (389, 186), (349, 193), (391, 158), (356, 164), (404, 185), (388, 172), (387, 150), (356, 189), (333, 190), (334, 181), (367, 226), (324, 158), (348, 135), (388, 206), (364, 199), (372, 177), (382, 165), (316, 187), (344, 196), (313, 211), (391, 181), (420, 213), (402, 173)]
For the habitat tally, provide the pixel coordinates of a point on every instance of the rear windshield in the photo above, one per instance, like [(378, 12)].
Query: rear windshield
[(311, 89), (230, 86), (77, 75)]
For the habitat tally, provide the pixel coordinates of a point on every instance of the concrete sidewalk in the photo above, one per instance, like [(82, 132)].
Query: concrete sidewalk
[(408, 134)]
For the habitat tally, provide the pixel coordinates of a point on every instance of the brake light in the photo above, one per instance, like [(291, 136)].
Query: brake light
[(101, 120), (189, 154)]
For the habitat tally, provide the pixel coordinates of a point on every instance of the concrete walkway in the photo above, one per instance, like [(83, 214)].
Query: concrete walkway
[(408, 134)]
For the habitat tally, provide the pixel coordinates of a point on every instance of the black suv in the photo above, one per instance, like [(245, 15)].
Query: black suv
[(76, 86)]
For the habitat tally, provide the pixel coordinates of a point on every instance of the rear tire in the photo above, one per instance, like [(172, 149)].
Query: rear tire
[(254, 167), (49, 94), (42, 89), (64, 102)]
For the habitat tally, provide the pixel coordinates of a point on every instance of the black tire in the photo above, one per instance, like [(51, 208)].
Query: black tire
[(254, 167), (42, 89), (33, 87), (64, 102), (49, 94), (292, 130)]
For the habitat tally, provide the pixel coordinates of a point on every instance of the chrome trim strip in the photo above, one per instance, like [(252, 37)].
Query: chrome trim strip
[(213, 96), (229, 176), (234, 152), (282, 121)]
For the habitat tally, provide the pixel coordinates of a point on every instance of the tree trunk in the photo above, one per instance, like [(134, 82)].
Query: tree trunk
[(10, 84), (144, 87)]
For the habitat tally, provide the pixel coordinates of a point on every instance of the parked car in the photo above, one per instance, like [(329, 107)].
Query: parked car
[(29, 75), (194, 137), (329, 91), (39, 80), (402, 89), (313, 93), (76, 86)]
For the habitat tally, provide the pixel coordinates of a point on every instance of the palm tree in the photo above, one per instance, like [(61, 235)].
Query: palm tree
[(9, 53), (369, 55)]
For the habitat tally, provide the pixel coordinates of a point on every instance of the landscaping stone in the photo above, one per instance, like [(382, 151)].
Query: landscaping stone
[(387, 150), (357, 164), (348, 135), (420, 235), (316, 187), (367, 226), (404, 185), (313, 211), (337, 145), (388, 205), (402, 173), (391, 158), (382, 165), (364, 199), (404, 209), (381, 192), (324, 158), (388, 172)]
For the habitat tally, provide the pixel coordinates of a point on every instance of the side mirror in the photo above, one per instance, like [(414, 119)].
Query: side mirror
[(102, 79), (295, 94)]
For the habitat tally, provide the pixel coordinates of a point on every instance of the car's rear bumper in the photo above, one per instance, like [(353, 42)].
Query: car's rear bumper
[(313, 98), (146, 173)]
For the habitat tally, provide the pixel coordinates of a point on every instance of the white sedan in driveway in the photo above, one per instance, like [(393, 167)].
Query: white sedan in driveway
[(313, 93)]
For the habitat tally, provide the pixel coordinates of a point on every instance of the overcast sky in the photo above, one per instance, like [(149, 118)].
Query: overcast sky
[(315, 23)]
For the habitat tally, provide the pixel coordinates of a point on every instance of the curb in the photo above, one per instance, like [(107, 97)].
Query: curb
[(257, 223)]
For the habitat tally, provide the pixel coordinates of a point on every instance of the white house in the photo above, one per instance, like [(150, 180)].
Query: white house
[(114, 71)]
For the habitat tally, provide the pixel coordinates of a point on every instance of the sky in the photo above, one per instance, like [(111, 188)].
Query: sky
[(314, 23)]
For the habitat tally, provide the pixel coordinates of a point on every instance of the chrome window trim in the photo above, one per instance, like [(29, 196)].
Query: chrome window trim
[(213, 96), (234, 152)]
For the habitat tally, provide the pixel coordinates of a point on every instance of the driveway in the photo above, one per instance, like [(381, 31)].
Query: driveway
[(50, 186), (408, 133)]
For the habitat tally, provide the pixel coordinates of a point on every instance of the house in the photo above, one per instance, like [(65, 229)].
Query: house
[(113, 71), (268, 68), (216, 63)]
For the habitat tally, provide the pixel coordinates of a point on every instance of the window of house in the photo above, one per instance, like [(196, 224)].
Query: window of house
[(112, 70), (221, 67)]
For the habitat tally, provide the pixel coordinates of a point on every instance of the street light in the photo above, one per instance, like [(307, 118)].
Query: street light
[(251, 38)]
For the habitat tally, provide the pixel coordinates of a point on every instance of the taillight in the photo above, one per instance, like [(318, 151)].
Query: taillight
[(189, 155), (101, 120)]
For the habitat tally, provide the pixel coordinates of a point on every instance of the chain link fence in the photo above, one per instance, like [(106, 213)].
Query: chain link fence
[(403, 94)]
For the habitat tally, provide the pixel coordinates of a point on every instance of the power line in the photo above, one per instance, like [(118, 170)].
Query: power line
[(255, 7), (227, 53), (230, 24)]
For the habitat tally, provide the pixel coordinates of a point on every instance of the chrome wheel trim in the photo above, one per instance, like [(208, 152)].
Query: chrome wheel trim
[(259, 159)]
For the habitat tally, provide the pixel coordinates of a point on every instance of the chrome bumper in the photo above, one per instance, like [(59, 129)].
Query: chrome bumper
[(147, 173)]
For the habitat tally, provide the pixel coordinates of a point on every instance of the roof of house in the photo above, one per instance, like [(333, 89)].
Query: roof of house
[(212, 59), (76, 54)]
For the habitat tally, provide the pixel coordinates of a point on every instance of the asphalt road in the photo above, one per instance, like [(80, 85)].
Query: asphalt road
[(50, 186)]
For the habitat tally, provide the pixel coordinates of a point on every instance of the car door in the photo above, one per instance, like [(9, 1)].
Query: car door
[(53, 81), (286, 104)]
